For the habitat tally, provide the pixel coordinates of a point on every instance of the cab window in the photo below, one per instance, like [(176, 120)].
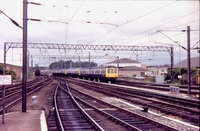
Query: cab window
[(108, 71)]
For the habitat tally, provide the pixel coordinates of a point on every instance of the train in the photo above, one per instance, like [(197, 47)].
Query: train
[(101, 73), (37, 72)]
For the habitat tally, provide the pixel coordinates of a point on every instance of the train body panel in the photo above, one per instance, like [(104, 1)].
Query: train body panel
[(37, 72), (104, 73), (58, 72)]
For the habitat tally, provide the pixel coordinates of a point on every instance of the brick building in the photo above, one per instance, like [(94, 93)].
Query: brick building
[(15, 68)]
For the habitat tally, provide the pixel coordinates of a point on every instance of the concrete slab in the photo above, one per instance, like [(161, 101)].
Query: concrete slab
[(32, 120)]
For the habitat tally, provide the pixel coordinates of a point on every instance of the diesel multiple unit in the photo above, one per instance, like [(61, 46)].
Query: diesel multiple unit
[(101, 73)]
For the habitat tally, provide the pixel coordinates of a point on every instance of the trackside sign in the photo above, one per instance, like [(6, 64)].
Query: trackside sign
[(5, 80)]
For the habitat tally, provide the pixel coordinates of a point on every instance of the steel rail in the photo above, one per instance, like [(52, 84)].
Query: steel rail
[(18, 99), (124, 110), (81, 109), (57, 109)]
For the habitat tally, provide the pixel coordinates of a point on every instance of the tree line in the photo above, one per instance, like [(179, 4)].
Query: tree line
[(8, 72), (183, 73), (70, 64)]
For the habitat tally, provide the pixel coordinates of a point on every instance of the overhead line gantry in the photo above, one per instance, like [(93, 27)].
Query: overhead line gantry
[(88, 47)]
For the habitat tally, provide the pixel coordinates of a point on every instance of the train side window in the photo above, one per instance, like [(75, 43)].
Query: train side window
[(108, 71), (115, 70)]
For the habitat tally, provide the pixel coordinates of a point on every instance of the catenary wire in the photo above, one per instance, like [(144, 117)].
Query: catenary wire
[(132, 21), (155, 28), (103, 22)]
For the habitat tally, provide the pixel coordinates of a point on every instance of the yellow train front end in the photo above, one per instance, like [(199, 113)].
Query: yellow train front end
[(111, 73)]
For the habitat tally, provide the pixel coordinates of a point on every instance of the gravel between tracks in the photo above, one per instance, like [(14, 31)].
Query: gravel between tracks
[(121, 103)]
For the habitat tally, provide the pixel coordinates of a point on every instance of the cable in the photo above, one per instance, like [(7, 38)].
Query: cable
[(76, 11), (38, 20), (13, 21), (133, 20), (103, 22), (164, 38), (155, 28), (195, 44)]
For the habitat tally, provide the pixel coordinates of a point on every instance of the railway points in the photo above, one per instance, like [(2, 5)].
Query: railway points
[(44, 100), (171, 118)]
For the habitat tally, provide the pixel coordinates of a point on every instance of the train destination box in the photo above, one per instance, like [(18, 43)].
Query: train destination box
[(5, 80)]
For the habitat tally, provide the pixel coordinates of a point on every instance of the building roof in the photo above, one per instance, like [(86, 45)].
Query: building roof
[(10, 65), (133, 68), (124, 60), (194, 63)]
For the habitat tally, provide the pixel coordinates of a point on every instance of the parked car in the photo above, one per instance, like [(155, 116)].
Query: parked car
[(139, 77)]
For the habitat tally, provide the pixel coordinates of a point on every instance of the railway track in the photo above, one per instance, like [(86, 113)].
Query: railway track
[(13, 93), (187, 110), (107, 116), (17, 87), (119, 115), (68, 115), (162, 87)]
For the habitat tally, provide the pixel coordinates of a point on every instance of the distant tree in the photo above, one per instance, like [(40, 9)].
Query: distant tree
[(60, 65), (183, 72), (8, 72), (67, 64), (12, 73)]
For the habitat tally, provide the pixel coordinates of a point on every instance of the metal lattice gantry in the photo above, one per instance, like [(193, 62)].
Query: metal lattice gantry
[(45, 46), (74, 56), (87, 47)]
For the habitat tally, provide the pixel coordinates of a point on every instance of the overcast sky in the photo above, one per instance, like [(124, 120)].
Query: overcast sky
[(103, 22)]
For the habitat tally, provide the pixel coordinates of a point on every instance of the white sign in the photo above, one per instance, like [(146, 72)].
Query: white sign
[(174, 89), (5, 79), (179, 76)]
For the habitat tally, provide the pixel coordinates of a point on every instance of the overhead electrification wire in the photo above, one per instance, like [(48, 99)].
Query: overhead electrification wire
[(71, 19), (32, 19), (195, 45), (103, 22), (160, 39), (4, 38), (76, 11), (13, 21), (155, 28), (134, 20), (8, 25)]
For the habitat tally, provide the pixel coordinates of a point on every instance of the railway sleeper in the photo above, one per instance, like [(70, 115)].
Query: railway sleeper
[(66, 123), (81, 128)]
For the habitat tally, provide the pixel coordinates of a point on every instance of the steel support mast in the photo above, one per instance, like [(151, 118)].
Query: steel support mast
[(24, 76)]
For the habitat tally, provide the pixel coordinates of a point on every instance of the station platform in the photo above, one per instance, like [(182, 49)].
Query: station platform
[(32, 120)]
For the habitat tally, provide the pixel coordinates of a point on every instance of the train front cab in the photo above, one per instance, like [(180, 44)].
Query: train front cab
[(111, 74)]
